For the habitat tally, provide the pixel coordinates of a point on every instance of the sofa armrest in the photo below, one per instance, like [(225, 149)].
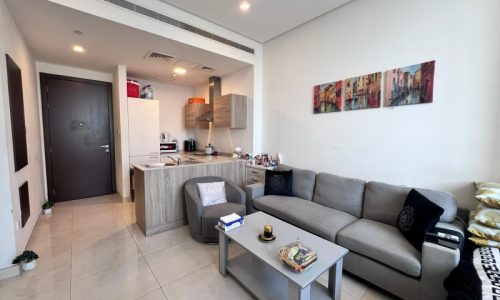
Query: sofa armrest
[(253, 191), (437, 263), (194, 208), (234, 193)]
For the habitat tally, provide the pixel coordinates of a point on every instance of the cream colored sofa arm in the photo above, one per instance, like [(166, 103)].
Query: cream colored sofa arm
[(437, 263)]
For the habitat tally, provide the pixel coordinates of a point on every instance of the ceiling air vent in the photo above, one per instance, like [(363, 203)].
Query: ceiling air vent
[(165, 79), (153, 55), (205, 69), (165, 19)]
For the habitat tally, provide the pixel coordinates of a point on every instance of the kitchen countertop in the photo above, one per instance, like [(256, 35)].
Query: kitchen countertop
[(186, 157)]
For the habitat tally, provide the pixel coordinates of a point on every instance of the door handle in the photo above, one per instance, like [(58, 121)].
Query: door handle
[(105, 146)]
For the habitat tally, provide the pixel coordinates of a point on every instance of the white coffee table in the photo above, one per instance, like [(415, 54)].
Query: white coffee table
[(260, 270)]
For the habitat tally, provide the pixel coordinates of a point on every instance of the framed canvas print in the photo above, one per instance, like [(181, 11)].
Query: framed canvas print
[(409, 85), (328, 97), (363, 92)]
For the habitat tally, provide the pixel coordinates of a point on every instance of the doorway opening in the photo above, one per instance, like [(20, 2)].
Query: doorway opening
[(78, 137)]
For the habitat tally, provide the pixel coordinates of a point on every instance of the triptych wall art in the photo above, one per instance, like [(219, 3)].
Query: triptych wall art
[(402, 86)]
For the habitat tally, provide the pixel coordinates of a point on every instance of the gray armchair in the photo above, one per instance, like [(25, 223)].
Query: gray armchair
[(203, 219)]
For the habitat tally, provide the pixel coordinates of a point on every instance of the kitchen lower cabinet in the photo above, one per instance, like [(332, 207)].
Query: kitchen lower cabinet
[(255, 174), (159, 193)]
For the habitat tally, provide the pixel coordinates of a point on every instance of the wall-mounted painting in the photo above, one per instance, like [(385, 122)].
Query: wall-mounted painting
[(363, 92), (328, 97), (409, 85)]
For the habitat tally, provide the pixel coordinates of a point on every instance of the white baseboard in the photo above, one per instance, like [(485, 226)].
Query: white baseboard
[(9, 272)]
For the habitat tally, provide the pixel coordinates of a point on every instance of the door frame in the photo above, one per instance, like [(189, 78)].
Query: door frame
[(46, 125)]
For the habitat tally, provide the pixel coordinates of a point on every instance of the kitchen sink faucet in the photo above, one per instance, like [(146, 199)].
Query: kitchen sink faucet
[(175, 160)]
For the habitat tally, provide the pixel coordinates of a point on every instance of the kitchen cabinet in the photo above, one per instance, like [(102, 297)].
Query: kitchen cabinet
[(192, 112), (143, 127), (230, 111), (255, 174), (159, 201)]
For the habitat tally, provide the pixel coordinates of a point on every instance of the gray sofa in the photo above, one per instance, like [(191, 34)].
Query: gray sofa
[(361, 216)]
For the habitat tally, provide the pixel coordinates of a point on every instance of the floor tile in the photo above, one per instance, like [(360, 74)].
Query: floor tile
[(89, 236), (353, 286), (50, 274), (103, 256), (347, 296), (158, 241), (130, 280), (376, 294), (175, 262), (92, 249), (156, 295), (205, 284), (60, 291)]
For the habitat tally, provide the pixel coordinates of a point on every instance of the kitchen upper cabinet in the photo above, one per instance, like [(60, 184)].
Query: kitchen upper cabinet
[(143, 127), (230, 111), (192, 112)]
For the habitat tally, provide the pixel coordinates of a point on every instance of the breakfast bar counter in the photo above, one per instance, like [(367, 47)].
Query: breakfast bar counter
[(159, 197)]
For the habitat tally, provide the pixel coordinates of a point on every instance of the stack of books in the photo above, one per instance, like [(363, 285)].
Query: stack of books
[(231, 221)]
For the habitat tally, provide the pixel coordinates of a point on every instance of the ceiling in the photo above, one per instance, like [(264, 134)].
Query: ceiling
[(264, 20), (108, 44)]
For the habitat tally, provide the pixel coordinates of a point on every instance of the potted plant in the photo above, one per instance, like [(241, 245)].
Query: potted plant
[(27, 260), (47, 207)]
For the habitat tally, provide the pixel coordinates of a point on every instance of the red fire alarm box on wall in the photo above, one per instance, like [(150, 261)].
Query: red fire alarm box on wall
[(132, 88)]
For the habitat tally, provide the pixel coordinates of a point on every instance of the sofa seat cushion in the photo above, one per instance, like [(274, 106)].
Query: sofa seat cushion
[(315, 218), (383, 243), (212, 213)]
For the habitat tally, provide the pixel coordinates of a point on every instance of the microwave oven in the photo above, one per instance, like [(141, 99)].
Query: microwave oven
[(169, 147)]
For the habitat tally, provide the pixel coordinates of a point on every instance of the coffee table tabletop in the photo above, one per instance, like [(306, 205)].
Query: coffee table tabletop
[(330, 255)]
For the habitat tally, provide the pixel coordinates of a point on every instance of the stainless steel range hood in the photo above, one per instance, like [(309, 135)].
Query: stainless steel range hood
[(214, 90)]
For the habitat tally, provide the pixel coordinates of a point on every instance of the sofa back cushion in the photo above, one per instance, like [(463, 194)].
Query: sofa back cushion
[(384, 202), (303, 182), (345, 194)]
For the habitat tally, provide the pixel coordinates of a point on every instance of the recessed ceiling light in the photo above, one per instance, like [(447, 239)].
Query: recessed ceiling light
[(180, 71), (244, 6), (78, 49)]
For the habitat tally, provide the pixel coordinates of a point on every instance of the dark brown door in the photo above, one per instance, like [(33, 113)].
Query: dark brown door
[(78, 145)]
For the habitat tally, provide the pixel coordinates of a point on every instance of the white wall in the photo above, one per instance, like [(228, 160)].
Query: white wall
[(224, 139), (43, 67), (14, 240), (120, 134), (444, 145), (172, 100)]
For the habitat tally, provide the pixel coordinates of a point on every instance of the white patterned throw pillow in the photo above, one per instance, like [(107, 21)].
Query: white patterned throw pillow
[(212, 193)]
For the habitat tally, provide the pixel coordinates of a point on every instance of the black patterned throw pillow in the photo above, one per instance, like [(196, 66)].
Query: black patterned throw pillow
[(279, 183), (418, 216)]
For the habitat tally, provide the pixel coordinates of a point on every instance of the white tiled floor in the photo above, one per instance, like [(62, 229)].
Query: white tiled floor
[(92, 249)]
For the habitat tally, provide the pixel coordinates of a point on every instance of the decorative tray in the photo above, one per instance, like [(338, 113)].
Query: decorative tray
[(298, 257)]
